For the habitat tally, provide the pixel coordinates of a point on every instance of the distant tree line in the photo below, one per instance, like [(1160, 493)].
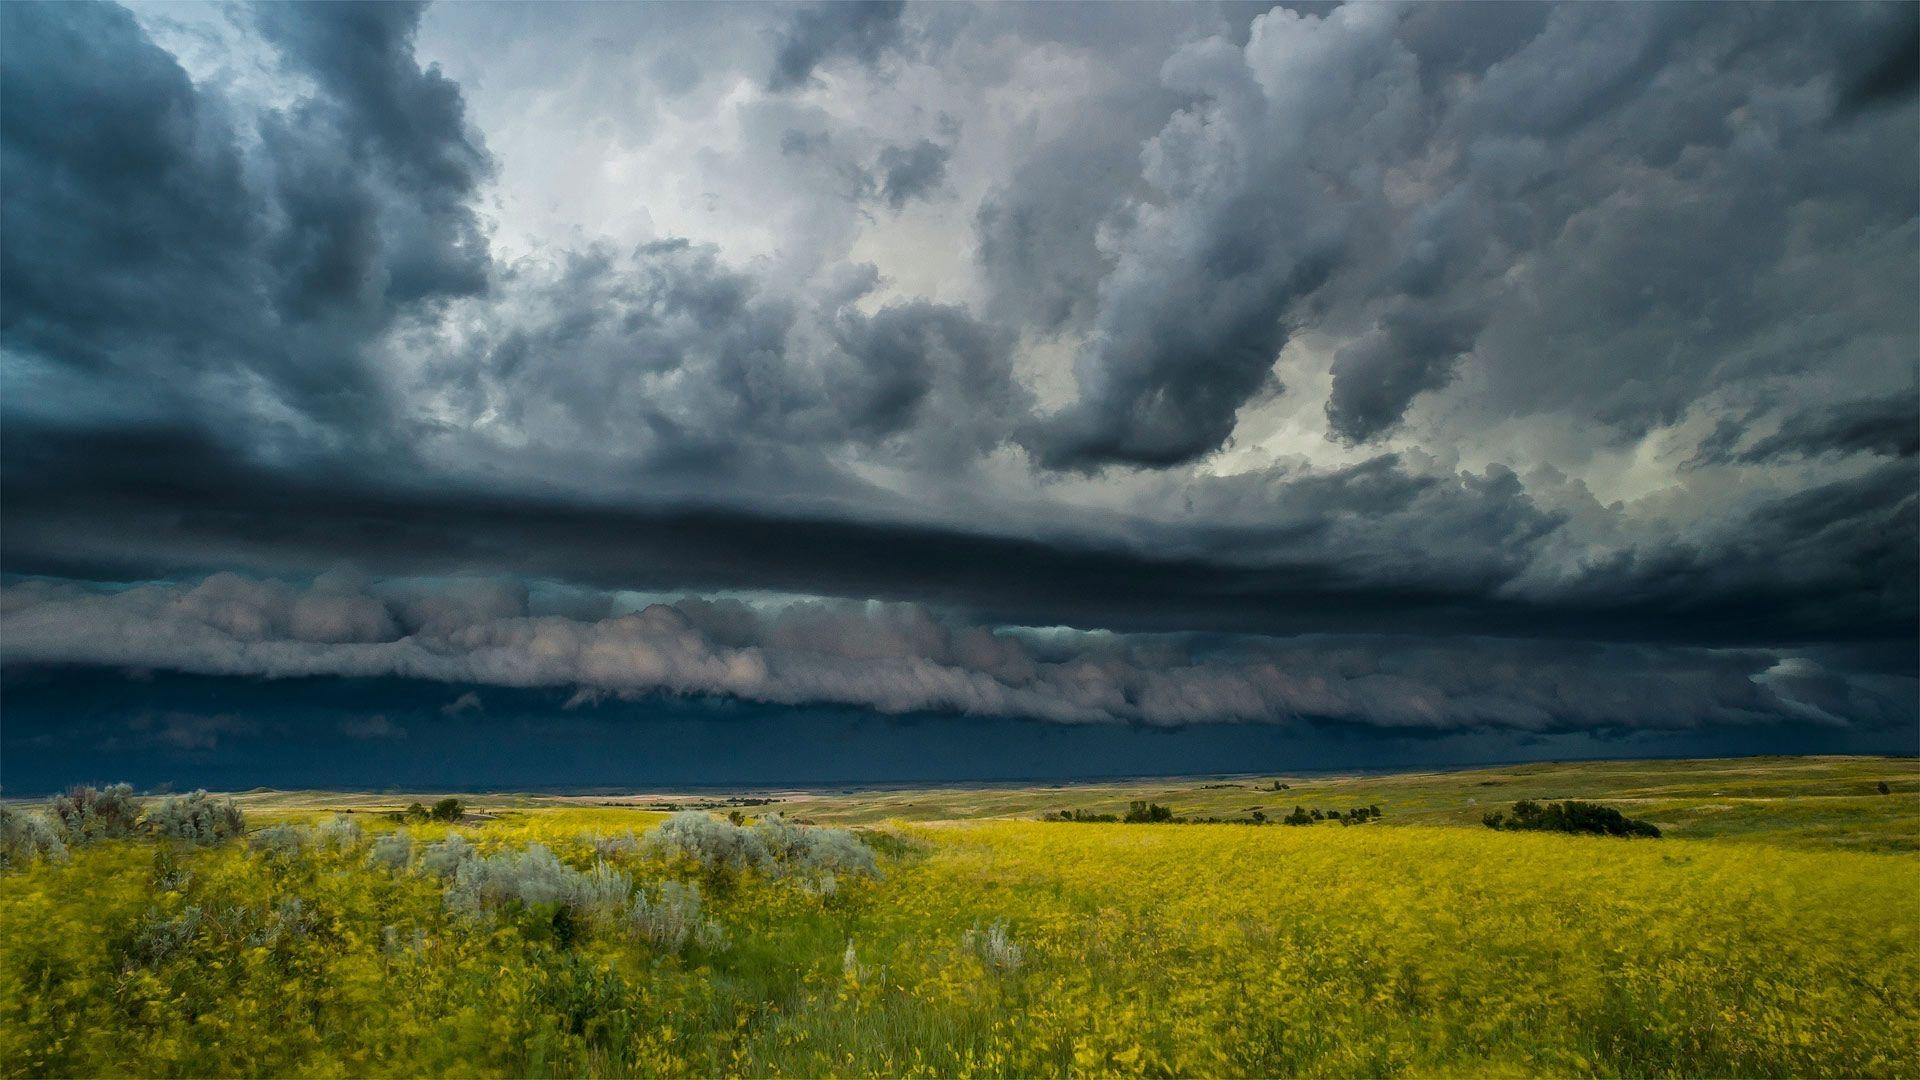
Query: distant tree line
[(447, 809), (1142, 812), (1570, 816)]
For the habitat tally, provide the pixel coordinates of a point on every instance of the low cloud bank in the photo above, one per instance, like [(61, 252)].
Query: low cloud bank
[(899, 658)]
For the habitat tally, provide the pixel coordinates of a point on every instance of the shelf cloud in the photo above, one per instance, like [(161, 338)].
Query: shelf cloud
[(1521, 366)]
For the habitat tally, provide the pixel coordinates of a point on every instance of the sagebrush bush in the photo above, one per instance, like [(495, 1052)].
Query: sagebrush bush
[(536, 876), (443, 858), (812, 851), (773, 846), (162, 936), (196, 818), (392, 850), (281, 839), (994, 946), (86, 814), (614, 846), (671, 921), (25, 837), (339, 832), (717, 847)]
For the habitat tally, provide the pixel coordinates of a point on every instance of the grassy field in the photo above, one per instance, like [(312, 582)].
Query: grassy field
[(1816, 802), (1775, 932)]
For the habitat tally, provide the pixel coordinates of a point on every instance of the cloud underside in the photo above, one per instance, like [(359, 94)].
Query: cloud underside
[(901, 658), (1476, 323)]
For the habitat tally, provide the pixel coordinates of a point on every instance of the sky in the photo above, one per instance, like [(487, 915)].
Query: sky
[(696, 394)]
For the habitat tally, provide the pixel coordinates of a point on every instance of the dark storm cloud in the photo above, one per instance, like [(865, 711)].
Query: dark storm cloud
[(911, 172), (664, 354), (1887, 426), (273, 333), (404, 125), (1580, 185), (1882, 59), (1349, 551), (189, 252), (1376, 377), (901, 658), (858, 30)]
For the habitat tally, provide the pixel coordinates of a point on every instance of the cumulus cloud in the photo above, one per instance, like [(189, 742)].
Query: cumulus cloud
[(899, 658), (858, 30)]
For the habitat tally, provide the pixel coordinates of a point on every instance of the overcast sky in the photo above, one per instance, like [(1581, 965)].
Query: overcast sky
[(1500, 370)]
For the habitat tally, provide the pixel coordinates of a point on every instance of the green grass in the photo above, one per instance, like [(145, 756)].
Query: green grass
[(1814, 802)]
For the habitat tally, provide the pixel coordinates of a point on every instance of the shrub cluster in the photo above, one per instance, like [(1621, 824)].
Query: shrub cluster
[(197, 818), (25, 837), (281, 839), (1139, 812), (392, 850), (534, 881), (773, 846), (86, 814), (447, 809), (1570, 816), (671, 919), (1359, 815)]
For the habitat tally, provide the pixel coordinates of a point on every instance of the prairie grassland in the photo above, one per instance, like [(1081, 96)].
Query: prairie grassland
[(1808, 802), (992, 947)]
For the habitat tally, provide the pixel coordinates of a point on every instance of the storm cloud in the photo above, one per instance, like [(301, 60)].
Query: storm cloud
[(1329, 347), (901, 658)]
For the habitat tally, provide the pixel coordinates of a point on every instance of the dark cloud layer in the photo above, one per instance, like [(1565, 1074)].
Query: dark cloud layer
[(190, 257), (1603, 207), (853, 29), (902, 659), (1833, 563), (1490, 259)]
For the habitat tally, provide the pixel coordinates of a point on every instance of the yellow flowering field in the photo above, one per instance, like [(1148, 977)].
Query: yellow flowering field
[(997, 948)]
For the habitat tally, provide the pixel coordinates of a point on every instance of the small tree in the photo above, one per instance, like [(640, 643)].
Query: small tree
[(1883, 788), (1140, 812), (448, 809)]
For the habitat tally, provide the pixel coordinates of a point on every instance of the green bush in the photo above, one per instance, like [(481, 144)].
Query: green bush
[(1142, 812), (1570, 816)]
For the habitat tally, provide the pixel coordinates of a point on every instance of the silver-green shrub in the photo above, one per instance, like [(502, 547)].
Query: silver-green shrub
[(281, 839), (25, 837), (339, 832), (196, 818), (444, 857), (615, 846), (86, 814), (392, 850), (488, 884), (812, 851), (994, 947), (671, 921), (717, 847)]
